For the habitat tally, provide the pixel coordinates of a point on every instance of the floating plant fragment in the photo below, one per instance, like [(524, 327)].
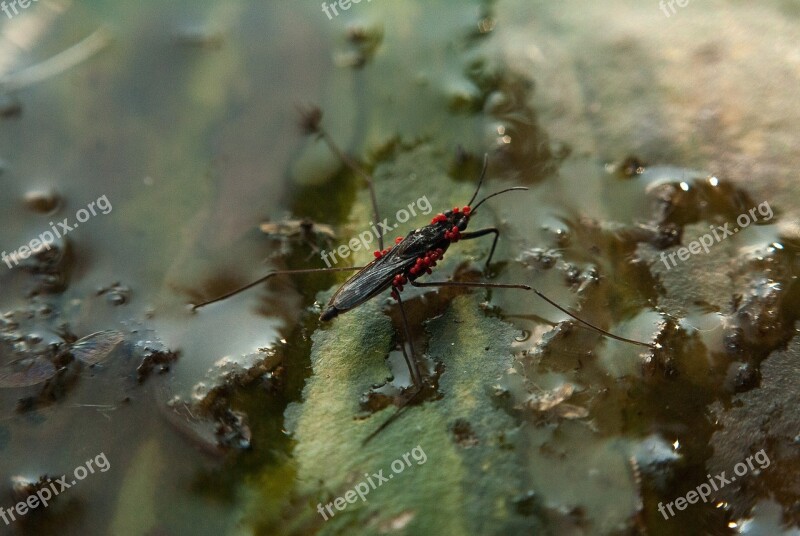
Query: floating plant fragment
[(26, 372), (553, 401), (96, 347), (305, 230), (296, 228)]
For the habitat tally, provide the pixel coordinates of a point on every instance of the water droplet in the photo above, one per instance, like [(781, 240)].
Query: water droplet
[(42, 201), (524, 336)]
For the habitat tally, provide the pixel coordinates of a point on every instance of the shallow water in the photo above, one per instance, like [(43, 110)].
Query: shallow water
[(171, 135)]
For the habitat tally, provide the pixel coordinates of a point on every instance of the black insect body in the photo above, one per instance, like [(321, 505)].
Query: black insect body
[(410, 258)]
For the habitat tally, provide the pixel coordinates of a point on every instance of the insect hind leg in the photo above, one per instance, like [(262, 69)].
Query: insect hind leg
[(413, 369), (589, 325)]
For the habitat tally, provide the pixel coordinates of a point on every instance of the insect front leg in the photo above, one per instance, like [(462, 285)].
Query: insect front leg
[(311, 119), (271, 275), (484, 232)]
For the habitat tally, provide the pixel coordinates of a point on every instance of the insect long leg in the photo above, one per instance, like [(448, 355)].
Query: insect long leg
[(545, 298), (484, 232), (413, 368), (411, 361), (310, 123), (349, 162), (273, 274)]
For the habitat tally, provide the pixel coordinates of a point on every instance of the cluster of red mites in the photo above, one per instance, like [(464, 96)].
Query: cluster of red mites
[(378, 253), (399, 280), (423, 265), (441, 217), (454, 234)]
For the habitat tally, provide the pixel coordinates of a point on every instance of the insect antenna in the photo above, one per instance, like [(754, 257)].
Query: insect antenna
[(495, 194), (480, 181)]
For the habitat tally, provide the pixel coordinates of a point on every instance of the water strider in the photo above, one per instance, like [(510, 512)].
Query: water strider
[(410, 258)]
